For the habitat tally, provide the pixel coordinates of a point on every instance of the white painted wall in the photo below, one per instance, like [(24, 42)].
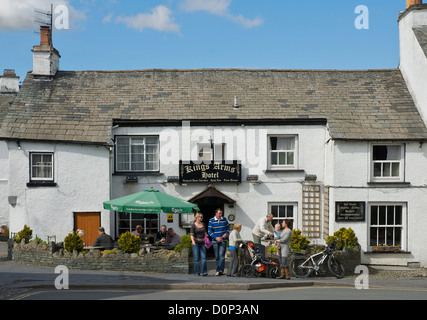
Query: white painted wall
[(4, 165), (351, 175), (251, 199), (45, 62), (82, 176), (413, 62)]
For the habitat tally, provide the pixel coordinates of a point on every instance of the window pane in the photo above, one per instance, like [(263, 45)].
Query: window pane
[(381, 236), (282, 213), (398, 215), (381, 216), (395, 169), (386, 169), (273, 158), (377, 169), (374, 215), (290, 211), (393, 153), (398, 237), (282, 158), (290, 158), (379, 153), (374, 235), (273, 143), (275, 210), (389, 236), (390, 215)]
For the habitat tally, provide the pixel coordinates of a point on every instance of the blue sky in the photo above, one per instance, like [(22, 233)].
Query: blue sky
[(191, 34)]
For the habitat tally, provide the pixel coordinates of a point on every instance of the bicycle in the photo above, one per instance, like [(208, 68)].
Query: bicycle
[(302, 267)]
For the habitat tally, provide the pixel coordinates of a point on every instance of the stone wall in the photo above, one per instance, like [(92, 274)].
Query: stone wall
[(161, 261)]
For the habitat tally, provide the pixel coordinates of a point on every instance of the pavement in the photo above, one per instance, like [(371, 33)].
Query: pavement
[(16, 279)]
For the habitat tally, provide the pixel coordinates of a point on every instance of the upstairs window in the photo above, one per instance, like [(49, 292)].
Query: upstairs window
[(387, 162), (282, 152), (137, 153), (41, 166)]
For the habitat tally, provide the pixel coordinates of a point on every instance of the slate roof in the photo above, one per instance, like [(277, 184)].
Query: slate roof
[(421, 35), (79, 106), (5, 101)]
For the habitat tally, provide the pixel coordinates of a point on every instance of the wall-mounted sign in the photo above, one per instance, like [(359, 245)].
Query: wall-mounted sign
[(349, 211), (210, 172)]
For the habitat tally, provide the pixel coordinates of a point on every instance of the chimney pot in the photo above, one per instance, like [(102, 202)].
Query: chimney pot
[(413, 2)]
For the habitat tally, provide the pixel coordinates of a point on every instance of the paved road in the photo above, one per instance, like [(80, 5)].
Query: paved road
[(26, 283), (292, 293)]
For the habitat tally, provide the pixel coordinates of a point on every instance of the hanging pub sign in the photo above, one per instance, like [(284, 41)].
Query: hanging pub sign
[(210, 172), (349, 211)]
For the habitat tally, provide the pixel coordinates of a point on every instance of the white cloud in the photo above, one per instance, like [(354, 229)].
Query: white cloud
[(20, 15), (159, 19), (219, 8)]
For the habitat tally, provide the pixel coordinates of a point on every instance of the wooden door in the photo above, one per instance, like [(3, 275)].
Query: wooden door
[(89, 222)]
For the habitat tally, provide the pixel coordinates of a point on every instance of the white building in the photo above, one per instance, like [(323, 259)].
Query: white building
[(328, 149)]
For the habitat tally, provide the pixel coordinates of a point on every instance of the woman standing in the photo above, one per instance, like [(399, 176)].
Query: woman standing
[(198, 233), (234, 241), (283, 249)]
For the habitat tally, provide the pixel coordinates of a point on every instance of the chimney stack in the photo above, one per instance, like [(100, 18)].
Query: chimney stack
[(45, 56), (413, 2), (9, 82)]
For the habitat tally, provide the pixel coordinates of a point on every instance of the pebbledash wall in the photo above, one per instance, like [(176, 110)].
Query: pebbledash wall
[(163, 261)]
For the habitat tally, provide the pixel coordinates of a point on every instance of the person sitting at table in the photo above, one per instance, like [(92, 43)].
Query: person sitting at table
[(103, 240), (138, 231), (172, 238), (161, 235)]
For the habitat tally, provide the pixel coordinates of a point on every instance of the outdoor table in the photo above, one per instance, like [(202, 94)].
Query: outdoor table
[(152, 247), (88, 248)]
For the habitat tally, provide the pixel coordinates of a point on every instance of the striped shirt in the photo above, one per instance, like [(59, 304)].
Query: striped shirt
[(217, 228)]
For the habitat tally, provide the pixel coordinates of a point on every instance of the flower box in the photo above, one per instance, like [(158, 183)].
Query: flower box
[(385, 249)]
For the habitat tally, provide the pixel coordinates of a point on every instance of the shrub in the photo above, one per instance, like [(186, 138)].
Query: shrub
[(298, 241), (343, 238), (129, 243), (186, 243), (73, 242), (25, 233)]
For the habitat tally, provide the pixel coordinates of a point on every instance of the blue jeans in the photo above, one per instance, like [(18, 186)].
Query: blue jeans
[(219, 249), (199, 253)]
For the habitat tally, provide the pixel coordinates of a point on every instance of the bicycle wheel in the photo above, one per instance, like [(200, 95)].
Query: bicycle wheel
[(274, 271), (248, 271), (336, 267), (299, 270)]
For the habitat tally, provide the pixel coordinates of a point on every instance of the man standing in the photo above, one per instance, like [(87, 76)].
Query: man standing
[(218, 230), (262, 228)]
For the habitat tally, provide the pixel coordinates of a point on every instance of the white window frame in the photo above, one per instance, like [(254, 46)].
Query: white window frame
[(387, 224), (270, 153), (279, 218), (204, 152), (156, 163), (388, 163), (42, 165)]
